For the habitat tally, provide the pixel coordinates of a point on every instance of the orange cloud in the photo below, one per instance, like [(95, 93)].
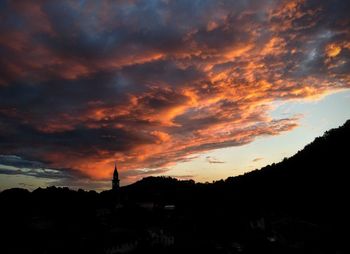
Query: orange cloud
[(332, 50)]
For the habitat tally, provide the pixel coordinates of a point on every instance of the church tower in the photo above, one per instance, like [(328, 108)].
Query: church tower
[(115, 180)]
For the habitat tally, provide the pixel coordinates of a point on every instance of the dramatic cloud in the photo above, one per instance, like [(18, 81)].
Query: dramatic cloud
[(153, 83)]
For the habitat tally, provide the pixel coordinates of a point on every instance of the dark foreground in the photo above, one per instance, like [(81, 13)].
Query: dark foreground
[(297, 206)]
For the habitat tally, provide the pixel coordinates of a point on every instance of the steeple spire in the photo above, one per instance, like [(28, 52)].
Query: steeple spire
[(115, 180), (115, 168)]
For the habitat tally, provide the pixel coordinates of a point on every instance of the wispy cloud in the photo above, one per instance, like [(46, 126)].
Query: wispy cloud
[(257, 159), (15, 165), (213, 160)]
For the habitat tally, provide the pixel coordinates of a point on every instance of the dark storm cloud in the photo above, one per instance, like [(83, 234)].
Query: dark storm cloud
[(164, 72), (29, 142), (153, 83)]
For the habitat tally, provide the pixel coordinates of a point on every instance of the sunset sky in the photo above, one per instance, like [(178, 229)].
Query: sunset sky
[(201, 89)]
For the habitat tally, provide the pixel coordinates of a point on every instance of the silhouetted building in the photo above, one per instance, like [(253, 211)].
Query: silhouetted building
[(115, 180)]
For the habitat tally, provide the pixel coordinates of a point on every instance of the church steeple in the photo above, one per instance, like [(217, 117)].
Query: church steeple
[(115, 180)]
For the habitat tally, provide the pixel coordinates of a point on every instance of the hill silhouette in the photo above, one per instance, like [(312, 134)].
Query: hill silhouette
[(296, 206)]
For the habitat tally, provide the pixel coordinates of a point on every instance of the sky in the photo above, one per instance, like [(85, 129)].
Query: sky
[(201, 90)]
